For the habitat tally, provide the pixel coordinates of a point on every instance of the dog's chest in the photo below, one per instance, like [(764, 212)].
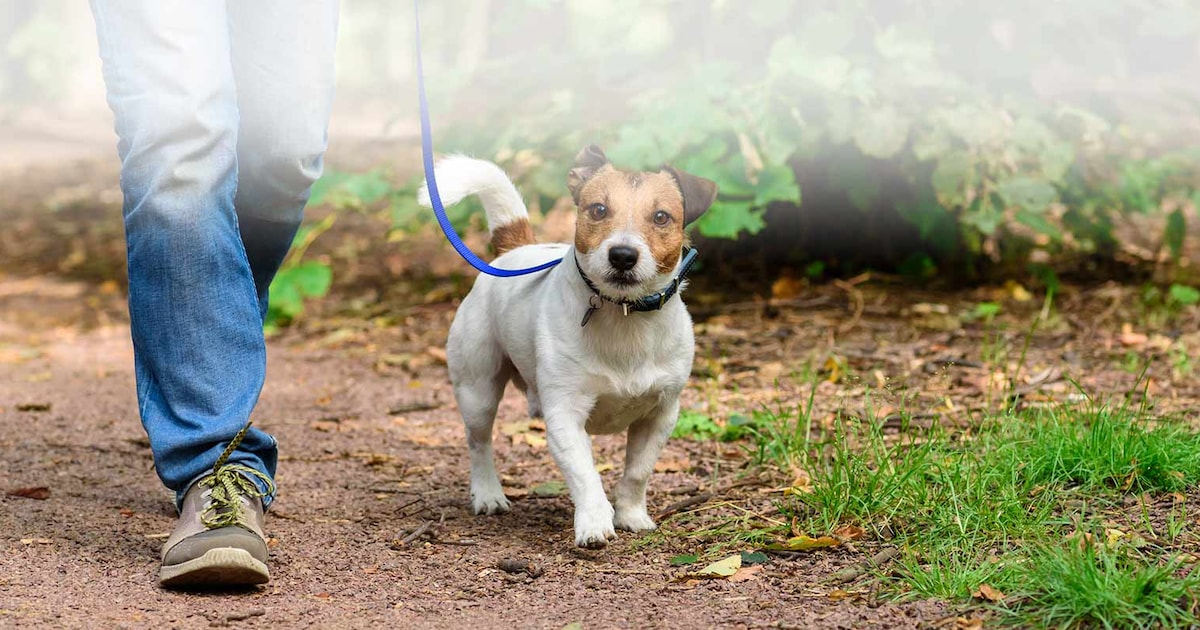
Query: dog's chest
[(614, 413)]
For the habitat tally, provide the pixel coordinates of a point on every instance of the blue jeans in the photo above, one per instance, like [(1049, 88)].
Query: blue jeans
[(221, 110)]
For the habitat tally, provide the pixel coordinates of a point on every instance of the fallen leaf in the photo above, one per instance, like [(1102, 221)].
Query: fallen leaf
[(833, 366), (988, 592), (756, 557), (805, 543), (802, 481), (548, 489), (721, 569), (1130, 338), (1112, 536), (787, 287), (516, 493), (574, 625), (684, 559), (746, 573), (849, 532), (39, 493), (925, 308), (1018, 292), (34, 407), (968, 623), (438, 354)]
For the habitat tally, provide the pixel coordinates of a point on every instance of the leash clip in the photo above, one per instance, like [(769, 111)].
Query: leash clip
[(625, 305), (594, 304)]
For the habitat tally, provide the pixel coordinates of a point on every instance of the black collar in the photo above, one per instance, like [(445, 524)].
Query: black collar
[(652, 302)]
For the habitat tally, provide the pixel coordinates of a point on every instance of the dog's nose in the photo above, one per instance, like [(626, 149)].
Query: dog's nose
[(622, 257)]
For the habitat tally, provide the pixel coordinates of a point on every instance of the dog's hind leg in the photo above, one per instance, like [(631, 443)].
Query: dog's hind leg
[(531, 395), (644, 444), (478, 398)]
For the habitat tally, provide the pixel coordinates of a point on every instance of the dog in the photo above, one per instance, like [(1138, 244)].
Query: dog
[(599, 344)]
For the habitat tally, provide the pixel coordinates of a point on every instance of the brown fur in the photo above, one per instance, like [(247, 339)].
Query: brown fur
[(632, 200), (510, 236)]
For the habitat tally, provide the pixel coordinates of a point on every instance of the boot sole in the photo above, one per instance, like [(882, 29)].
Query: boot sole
[(217, 567)]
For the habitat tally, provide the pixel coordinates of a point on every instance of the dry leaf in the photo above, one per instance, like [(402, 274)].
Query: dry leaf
[(988, 592), (39, 493), (438, 354), (1017, 292), (805, 543), (746, 573), (849, 532), (721, 569), (968, 623), (837, 595), (787, 287), (1130, 338)]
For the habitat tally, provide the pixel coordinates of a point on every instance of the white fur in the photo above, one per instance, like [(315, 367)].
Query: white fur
[(459, 176), (617, 373)]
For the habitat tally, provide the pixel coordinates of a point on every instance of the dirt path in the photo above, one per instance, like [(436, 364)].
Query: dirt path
[(372, 450), (358, 472)]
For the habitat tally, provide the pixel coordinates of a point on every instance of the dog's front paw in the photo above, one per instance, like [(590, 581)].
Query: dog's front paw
[(634, 520), (490, 503), (594, 528)]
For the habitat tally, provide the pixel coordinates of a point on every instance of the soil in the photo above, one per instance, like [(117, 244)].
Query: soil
[(371, 524)]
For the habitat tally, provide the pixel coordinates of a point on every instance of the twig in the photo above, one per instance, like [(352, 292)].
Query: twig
[(679, 506), (800, 303), (413, 407), (417, 533), (849, 574), (856, 297), (457, 543)]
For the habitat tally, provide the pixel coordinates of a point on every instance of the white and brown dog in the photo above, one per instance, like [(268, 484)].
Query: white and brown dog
[(623, 368)]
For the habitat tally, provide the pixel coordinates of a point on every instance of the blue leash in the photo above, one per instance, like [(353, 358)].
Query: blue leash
[(435, 199)]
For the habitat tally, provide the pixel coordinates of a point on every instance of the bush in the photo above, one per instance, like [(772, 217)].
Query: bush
[(979, 133)]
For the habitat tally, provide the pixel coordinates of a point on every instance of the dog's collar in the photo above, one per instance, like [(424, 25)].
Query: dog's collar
[(652, 302)]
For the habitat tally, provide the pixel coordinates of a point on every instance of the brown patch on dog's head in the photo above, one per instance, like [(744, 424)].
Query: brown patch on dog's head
[(512, 235), (655, 205)]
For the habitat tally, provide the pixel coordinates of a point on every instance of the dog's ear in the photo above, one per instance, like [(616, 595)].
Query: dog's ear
[(587, 162), (698, 193)]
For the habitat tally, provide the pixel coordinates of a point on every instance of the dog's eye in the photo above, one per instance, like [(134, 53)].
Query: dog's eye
[(597, 211), (661, 218)]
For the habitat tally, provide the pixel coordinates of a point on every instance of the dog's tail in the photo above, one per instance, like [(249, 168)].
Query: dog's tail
[(508, 221)]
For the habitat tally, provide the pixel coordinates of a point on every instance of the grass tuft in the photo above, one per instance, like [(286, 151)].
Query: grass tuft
[(999, 504), (1074, 586)]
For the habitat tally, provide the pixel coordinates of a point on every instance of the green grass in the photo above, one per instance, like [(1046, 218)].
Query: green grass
[(1077, 586), (1008, 503)]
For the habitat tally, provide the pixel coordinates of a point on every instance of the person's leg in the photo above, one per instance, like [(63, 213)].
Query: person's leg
[(283, 62), (200, 358)]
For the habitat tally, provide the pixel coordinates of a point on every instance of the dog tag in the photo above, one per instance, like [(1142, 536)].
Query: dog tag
[(594, 305), (626, 305)]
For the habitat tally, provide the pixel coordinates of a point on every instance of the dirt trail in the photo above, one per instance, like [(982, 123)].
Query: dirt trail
[(372, 449), (358, 472)]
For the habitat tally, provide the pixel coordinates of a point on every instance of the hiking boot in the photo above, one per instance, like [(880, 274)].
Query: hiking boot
[(219, 539)]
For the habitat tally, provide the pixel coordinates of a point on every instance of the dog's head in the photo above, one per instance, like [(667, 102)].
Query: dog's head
[(629, 233)]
